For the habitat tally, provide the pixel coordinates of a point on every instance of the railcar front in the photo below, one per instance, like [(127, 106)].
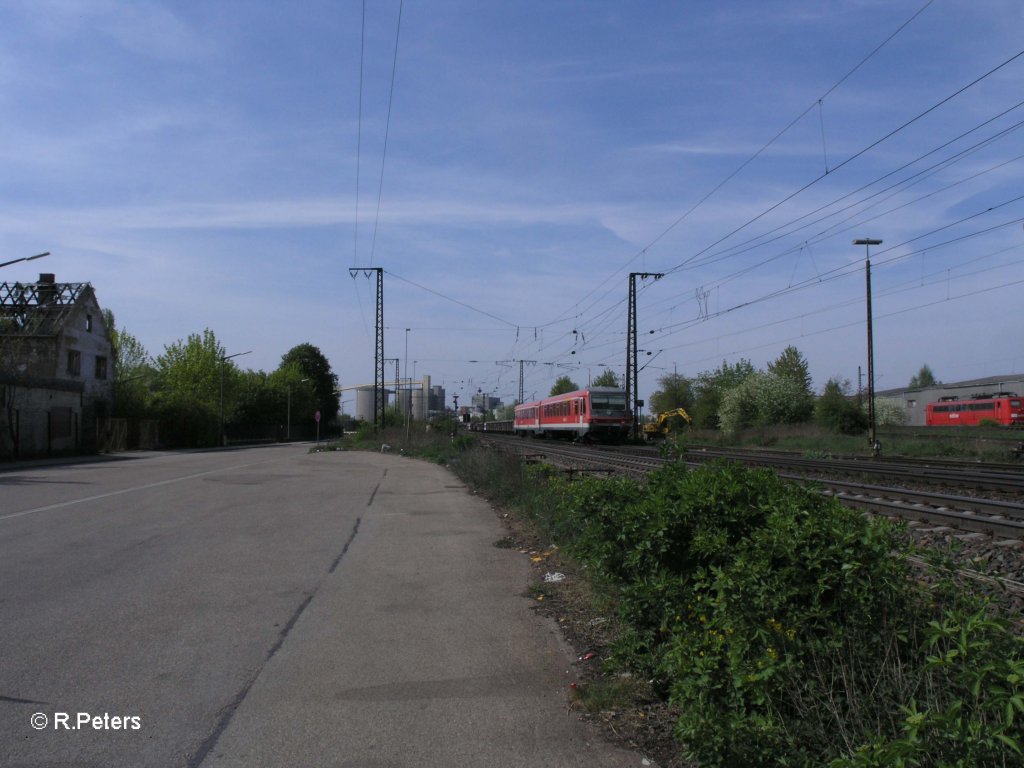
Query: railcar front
[(608, 415)]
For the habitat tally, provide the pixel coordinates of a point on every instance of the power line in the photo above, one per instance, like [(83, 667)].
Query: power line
[(454, 301), (750, 159), (847, 161), (387, 132), (359, 132)]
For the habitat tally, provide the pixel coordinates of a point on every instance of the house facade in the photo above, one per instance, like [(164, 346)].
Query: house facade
[(56, 368)]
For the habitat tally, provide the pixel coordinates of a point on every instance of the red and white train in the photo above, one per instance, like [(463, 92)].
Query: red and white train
[(595, 413), (1004, 408)]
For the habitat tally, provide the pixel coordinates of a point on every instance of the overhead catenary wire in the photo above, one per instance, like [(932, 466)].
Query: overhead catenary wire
[(387, 132), (359, 133), (707, 196), (984, 142)]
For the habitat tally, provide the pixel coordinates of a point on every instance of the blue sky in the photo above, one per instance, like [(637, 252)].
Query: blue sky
[(197, 162)]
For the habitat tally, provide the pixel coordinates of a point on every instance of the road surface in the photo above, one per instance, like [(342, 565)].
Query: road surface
[(271, 607)]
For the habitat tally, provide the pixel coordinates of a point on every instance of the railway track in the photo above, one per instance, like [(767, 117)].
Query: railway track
[(1001, 478), (915, 492)]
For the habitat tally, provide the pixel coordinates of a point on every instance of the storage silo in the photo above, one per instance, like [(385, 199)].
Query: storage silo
[(364, 403)]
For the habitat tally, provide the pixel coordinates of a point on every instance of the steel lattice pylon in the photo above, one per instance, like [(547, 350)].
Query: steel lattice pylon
[(631, 350), (379, 395)]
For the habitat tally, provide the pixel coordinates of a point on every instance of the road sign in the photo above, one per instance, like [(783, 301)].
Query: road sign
[(316, 417)]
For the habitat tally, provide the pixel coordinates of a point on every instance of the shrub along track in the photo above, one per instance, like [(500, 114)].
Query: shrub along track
[(986, 528)]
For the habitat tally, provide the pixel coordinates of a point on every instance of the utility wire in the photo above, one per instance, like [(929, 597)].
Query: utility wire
[(753, 157), (359, 134), (387, 132), (453, 301), (845, 162)]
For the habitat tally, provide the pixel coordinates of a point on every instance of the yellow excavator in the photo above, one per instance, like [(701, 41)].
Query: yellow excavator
[(664, 423)]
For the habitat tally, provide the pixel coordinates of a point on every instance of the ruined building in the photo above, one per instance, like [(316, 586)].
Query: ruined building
[(56, 368)]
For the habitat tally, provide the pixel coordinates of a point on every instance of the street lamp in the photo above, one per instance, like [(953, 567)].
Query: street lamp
[(408, 400), (224, 359), (867, 243), (24, 258), (288, 429)]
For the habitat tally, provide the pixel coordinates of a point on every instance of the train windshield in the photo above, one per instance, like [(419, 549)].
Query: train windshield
[(608, 403)]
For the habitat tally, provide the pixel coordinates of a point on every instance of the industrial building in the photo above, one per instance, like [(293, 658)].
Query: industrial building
[(915, 400), (419, 398)]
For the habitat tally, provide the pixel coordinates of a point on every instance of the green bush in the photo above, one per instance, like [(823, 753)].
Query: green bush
[(838, 413), (786, 630)]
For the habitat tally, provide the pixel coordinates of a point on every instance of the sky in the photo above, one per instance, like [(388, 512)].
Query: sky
[(224, 165)]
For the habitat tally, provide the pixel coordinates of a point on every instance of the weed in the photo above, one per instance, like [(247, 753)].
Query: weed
[(605, 694)]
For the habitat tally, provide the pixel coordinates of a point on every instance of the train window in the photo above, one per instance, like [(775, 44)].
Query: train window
[(608, 403), (1015, 403)]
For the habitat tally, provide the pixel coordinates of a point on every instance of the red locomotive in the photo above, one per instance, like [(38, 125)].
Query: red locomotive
[(1005, 408), (596, 413)]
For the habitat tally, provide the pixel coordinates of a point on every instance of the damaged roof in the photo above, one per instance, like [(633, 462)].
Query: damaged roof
[(40, 308)]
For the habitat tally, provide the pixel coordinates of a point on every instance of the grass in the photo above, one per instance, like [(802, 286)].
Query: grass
[(967, 443), (605, 694)]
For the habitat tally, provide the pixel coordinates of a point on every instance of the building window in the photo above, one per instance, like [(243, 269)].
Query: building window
[(88, 323), (101, 368), (74, 362), (911, 403)]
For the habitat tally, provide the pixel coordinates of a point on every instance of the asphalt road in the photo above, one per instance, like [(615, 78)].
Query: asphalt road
[(271, 607)]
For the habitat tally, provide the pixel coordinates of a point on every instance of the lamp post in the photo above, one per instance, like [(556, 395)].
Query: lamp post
[(288, 429), (224, 359), (867, 243), (24, 258), (408, 399)]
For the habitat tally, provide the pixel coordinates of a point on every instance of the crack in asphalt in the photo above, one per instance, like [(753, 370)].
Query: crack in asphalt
[(228, 712)]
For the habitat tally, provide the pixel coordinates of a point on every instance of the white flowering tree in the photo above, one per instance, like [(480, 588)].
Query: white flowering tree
[(763, 399)]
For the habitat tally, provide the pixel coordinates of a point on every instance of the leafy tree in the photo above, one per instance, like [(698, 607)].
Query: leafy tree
[(711, 386), (836, 411), (676, 392), (266, 403), (763, 399), (792, 366), (889, 412), (924, 378), (132, 370), (505, 412), (562, 385), (190, 376), (298, 397), (606, 379), (314, 366)]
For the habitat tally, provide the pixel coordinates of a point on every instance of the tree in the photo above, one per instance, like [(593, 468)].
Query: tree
[(924, 378), (837, 411), (711, 386), (792, 366), (607, 378), (562, 385), (762, 400), (676, 392), (314, 366), (190, 376), (132, 369)]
